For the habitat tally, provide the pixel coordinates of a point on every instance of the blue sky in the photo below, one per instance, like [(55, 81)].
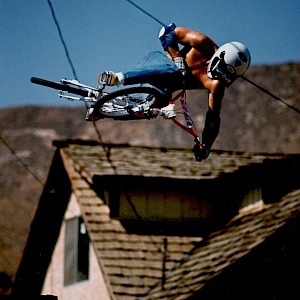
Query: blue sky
[(114, 35)]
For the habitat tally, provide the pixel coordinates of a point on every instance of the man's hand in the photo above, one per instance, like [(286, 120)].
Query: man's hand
[(167, 37), (200, 152)]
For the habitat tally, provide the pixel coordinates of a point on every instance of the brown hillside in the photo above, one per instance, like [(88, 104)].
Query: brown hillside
[(251, 121)]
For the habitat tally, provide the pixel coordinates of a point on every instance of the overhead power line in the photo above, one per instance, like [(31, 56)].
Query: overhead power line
[(246, 79), (62, 40), (26, 167), (272, 95), (105, 148), (146, 13)]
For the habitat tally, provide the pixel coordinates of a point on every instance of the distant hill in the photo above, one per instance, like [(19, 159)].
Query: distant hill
[(251, 121)]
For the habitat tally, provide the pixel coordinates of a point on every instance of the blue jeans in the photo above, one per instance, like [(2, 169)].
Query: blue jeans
[(156, 69)]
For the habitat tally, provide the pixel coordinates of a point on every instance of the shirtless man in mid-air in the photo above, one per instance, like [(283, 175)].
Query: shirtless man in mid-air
[(200, 64)]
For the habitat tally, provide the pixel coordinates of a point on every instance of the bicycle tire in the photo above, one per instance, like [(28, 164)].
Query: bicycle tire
[(159, 96), (59, 86)]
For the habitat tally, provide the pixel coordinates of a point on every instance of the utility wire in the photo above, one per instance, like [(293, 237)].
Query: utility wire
[(246, 79), (73, 69), (105, 148), (146, 13), (270, 94), (13, 152), (62, 39)]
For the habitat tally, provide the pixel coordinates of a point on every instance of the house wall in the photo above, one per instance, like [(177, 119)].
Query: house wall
[(252, 197), (158, 199), (167, 205), (93, 288)]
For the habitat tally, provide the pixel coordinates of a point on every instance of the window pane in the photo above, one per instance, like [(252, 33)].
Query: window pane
[(76, 260), (70, 251), (83, 252)]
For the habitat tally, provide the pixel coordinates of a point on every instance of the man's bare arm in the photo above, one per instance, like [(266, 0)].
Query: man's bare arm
[(197, 40), (212, 122)]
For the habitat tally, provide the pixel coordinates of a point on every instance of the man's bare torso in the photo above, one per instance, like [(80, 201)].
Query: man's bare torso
[(197, 59)]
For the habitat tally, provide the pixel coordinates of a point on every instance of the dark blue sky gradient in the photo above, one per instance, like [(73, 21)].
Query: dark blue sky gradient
[(114, 35)]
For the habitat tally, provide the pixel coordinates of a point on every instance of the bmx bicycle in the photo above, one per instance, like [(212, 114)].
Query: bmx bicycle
[(129, 103)]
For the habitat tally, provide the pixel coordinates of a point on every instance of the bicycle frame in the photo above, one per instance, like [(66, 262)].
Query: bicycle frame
[(190, 127)]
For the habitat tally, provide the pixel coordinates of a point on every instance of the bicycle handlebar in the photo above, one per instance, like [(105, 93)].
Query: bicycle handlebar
[(60, 86)]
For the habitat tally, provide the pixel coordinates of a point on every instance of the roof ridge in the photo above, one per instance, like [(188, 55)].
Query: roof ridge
[(63, 143)]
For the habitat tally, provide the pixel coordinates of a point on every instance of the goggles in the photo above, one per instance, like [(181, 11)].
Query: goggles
[(224, 72)]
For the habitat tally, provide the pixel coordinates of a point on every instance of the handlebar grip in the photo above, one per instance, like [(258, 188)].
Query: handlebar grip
[(59, 86)]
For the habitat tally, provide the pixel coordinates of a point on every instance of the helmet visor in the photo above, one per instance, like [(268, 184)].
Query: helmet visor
[(224, 72)]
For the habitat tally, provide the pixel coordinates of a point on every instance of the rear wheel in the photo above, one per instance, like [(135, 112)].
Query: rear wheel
[(121, 102)]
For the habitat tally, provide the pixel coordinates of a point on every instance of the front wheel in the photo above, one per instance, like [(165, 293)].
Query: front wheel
[(130, 102)]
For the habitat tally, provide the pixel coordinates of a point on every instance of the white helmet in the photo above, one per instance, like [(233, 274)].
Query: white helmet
[(229, 62)]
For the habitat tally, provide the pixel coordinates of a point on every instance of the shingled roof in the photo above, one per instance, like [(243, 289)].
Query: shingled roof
[(225, 247), (92, 159), (132, 264)]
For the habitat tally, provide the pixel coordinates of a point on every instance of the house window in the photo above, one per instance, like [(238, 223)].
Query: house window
[(76, 259)]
